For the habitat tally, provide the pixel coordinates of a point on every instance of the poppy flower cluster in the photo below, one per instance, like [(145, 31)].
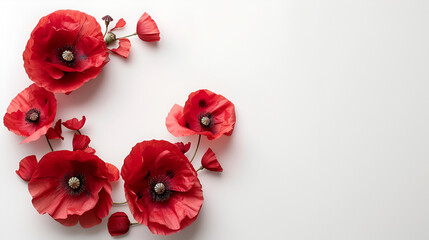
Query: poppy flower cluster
[(66, 49), (161, 185), (71, 186)]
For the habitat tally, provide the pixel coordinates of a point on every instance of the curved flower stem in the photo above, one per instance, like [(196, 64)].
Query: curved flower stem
[(200, 168), (127, 36), (107, 25), (50, 146), (196, 149), (119, 203)]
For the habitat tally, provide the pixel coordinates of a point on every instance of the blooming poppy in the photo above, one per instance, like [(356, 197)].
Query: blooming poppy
[(31, 113), (65, 50), (118, 224), (147, 30), (73, 186), (205, 113), (210, 162), (161, 187)]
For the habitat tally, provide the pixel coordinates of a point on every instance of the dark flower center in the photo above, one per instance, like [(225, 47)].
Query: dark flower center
[(74, 182), (206, 120), (159, 188), (67, 55), (32, 115)]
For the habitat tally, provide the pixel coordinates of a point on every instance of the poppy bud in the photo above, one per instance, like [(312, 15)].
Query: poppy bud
[(118, 224), (210, 162), (110, 37), (147, 30)]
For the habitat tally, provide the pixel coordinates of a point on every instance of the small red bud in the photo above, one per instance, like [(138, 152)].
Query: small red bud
[(118, 224)]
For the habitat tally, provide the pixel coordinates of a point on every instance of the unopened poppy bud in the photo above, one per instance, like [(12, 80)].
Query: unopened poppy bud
[(210, 162), (147, 30), (118, 224), (110, 37)]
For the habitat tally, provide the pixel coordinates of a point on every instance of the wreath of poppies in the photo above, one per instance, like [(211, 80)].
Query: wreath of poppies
[(66, 49)]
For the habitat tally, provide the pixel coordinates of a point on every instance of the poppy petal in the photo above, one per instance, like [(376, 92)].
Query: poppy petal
[(184, 148), (27, 166), (120, 24), (56, 131), (74, 124), (124, 48), (114, 171), (80, 142), (210, 162)]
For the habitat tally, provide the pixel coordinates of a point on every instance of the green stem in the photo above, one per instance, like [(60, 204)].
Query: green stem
[(50, 146), (107, 25), (128, 36), (134, 223), (79, 132), (200, 168), (119, 203), (196, 149)]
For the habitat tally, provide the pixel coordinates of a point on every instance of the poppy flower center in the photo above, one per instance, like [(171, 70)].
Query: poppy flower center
[(74, 182), (206, 120), (159, 188), (32, 115), (67, 56)]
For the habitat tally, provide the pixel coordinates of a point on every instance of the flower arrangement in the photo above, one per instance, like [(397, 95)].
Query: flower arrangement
[(66, 49)]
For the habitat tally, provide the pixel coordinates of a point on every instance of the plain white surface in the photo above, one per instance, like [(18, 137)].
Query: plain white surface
[(331, 140)]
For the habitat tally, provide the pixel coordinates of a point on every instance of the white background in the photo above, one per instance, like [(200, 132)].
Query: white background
[(332, 135)]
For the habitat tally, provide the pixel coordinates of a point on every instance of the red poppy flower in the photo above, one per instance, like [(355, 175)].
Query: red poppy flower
[(161, 187), (73, 186), (147, 30), (31, 113), (65, 50), (118, 224), (205, 113), (210, 162), (74, 124)]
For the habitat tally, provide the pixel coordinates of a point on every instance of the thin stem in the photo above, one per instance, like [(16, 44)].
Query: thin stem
[(107, 25), (134, 223), (128, 35), (196, 149), (119, 203), (79, 132), (50, 146), (200, 168)]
